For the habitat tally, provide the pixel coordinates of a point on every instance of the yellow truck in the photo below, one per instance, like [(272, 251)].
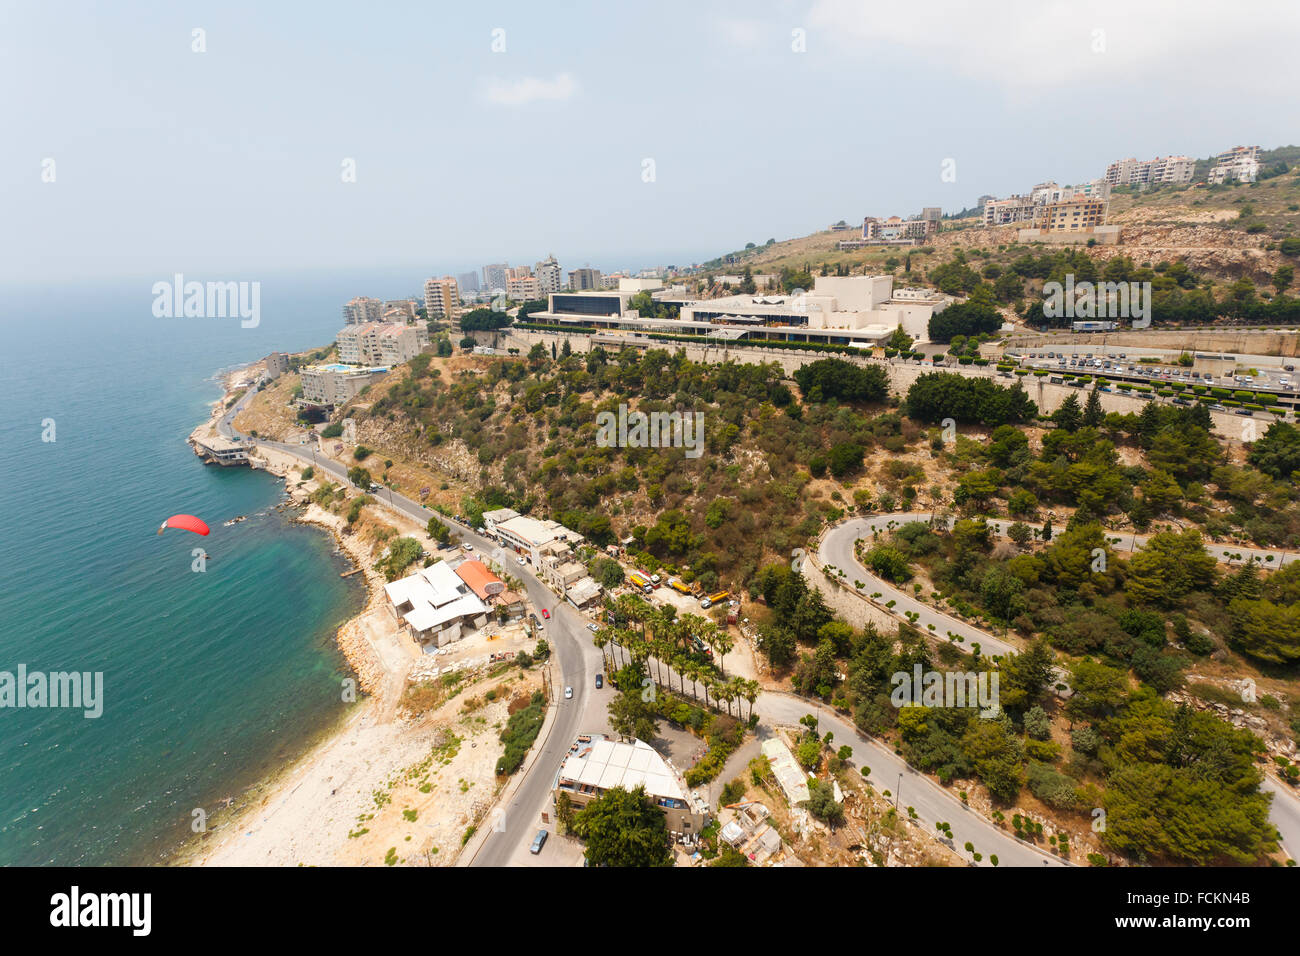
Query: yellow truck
[(641, 581), (713, 599), (678, 586)]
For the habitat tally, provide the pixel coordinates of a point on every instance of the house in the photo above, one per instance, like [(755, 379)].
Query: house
[(481, 581), (596, 764), (436, 605)]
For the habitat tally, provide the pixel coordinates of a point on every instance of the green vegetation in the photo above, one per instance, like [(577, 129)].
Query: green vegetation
[(623, 828), (520, 732)]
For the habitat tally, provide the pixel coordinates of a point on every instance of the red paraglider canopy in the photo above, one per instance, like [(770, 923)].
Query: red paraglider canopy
[(184, 523)]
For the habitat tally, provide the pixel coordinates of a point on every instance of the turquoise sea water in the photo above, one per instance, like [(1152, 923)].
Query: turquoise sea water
[(210, 679)]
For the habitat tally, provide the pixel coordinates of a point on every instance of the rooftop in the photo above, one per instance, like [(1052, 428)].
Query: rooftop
[(599, 762)]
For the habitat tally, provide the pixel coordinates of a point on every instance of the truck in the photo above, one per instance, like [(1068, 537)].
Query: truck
[(640, 581), (712, 599), (677, 585)]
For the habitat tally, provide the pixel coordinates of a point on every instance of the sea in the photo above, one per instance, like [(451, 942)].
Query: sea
[(211, 679)]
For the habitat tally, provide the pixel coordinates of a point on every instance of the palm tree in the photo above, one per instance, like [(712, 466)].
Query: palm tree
[(722, 643), (601, 639), (750, 691)]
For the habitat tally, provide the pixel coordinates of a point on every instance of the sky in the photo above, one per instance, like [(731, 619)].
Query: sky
[(432, 138)]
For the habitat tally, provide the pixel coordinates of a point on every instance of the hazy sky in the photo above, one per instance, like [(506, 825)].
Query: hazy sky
[(229, 163)]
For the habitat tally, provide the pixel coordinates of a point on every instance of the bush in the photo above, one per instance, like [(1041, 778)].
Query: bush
[(519, 734)]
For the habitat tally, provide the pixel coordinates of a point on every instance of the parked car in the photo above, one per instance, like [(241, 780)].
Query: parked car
[(593, 628), (600, 681), (539, 841), (568, 693), (546, 614)]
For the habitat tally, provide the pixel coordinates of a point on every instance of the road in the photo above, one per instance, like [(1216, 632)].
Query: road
[(837, 549)]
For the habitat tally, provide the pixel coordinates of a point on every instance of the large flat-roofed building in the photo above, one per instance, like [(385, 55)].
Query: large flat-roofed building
[(436, 605), (221, 451), (441, 297), (381, 343), (597, 764), (529, 535), (839, 310), (1003, 212), (336, 384), (492, 518)]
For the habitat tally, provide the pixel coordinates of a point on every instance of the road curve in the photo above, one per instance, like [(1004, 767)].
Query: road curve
[(837, 549)]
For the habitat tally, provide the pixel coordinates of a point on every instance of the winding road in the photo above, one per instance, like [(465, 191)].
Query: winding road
[(837, 550)]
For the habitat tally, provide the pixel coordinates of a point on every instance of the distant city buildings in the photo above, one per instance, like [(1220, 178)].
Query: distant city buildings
[(441, 297), (363, 309), (1162, 169), (400, 310), (468, 282), (1239, 164), (1040, 204)]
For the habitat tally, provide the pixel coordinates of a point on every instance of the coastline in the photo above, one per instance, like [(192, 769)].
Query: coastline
[(379, 688)]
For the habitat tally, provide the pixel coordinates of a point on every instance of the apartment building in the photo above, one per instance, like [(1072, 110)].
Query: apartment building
[(549, 276), (1162, 169), (582, 279), (336, 384), (468, 282), (363, 309), (1076, 214), (277, 363), (381, 343), (441, 297), (405, 308), (895, 229), (1003, 212), (494, 277), (1239, 164), (523, 289)]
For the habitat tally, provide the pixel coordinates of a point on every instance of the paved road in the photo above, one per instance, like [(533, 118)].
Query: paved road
[(837, 549), (575, 662)]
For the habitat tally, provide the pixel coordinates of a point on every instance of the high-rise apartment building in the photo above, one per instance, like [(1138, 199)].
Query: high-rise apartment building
[(549, 276), (363, 309), (468, 282), (581, 279), (441, 297), (494, 277)]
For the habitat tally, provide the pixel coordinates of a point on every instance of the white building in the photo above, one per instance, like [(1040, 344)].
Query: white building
[(840, 310), (1239, 164), (381, 343), (529, 535), (523, 289), (549, 276), (1162, 169), (436, 605), (336, 384)]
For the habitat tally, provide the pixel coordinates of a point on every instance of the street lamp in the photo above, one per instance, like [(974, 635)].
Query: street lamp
[(899, 789)]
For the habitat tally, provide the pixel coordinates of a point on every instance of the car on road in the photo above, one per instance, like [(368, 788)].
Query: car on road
[(593, 628), (568, 693), (546, 614), (600, 681), (539, 841)]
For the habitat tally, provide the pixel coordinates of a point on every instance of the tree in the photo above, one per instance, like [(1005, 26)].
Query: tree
[(1069, 417), (623, 828), (1093, 416), (822, 804)]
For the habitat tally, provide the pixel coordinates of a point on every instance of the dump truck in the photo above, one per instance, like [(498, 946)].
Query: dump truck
[(641, 581)]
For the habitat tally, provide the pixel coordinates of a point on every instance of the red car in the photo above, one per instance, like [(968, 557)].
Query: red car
[(546, 614)]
